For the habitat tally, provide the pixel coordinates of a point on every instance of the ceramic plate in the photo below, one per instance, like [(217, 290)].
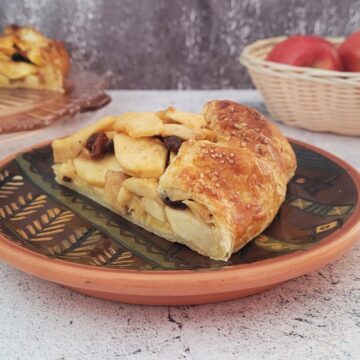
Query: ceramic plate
[(53, 233), (27, 109)]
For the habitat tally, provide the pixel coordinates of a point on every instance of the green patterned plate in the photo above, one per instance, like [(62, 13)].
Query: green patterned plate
[(59, 235)]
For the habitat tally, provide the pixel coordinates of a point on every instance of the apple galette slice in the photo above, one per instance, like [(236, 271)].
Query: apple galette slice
[(211, 181), (30, 60)]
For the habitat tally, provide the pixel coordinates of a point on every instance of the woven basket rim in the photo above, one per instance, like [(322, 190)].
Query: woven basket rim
[(247, 58)]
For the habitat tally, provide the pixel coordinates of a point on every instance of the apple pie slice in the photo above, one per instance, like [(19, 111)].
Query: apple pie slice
[(30, 60), (211, 181)]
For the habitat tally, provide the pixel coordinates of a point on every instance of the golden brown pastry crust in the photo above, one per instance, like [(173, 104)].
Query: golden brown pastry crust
[(241, 178), (47, 59)]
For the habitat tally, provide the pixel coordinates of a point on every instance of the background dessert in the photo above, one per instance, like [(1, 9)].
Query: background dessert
[(28, 59)]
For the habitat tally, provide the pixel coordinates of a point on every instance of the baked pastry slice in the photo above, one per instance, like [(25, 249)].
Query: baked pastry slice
[(30, 60), (212, 181)]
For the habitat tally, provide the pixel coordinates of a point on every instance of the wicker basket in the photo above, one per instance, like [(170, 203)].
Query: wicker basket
[(315, 99)]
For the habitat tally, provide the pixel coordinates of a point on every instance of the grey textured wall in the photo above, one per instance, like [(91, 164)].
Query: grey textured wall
[(169, 44)]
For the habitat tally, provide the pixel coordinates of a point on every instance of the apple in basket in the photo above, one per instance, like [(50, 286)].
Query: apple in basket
[(308, 51), (349, 51)]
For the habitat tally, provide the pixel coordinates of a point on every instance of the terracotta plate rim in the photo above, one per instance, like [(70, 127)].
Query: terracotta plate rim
[(264, 272)]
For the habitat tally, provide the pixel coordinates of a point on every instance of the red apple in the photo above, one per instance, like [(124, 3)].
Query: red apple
[(349, 51), (309, 51)]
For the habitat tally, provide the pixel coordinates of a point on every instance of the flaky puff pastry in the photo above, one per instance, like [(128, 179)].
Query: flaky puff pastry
[(241, 178), (212, 181), (28, 59)]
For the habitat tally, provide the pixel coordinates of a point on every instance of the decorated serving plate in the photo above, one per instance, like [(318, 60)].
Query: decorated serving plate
[(56, 234)]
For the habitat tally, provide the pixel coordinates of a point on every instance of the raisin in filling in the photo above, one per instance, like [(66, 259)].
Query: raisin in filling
[(67, 178), (174, 204), (99, 144), (172, 142), (17, 57)]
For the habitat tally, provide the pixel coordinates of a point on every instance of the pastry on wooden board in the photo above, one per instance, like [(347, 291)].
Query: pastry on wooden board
[(30, 60), (212, 181)]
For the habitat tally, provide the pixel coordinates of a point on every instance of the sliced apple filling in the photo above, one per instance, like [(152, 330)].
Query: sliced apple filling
[(118, 162), (140, 157)]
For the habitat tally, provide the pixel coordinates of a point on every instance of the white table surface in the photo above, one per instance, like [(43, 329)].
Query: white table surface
[(316, 316)]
